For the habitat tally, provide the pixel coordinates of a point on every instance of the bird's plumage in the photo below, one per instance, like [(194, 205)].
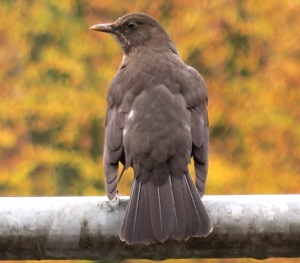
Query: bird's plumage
[(156, 121)]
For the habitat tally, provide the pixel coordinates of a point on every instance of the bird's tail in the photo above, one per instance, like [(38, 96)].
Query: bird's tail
[(172, 210)]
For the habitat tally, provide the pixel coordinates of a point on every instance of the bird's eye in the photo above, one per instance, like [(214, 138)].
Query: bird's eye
[(131, 25)]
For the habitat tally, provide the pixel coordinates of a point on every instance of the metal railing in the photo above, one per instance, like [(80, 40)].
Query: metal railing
[(252, 226)]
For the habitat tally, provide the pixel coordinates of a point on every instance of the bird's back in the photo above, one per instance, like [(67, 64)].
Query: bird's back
[(156, 121)]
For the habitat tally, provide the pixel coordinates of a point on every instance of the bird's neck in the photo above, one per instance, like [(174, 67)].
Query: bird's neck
[(151, 48)]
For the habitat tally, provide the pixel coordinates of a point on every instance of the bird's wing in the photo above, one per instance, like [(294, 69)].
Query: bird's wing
[(113, 147), (196, 99), (200, 151)]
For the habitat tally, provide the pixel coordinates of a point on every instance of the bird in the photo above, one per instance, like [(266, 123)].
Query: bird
[(156, 122)]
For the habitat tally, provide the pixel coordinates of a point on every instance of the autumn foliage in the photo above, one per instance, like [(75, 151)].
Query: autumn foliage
[(55, 74)]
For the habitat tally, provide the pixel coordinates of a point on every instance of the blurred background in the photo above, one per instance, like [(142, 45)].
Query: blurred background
[(54, 76)]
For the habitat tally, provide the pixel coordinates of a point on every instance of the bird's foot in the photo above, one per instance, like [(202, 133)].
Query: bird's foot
[(114, 203)]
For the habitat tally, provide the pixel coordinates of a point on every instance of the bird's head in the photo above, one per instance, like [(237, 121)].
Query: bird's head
[(135, 30)]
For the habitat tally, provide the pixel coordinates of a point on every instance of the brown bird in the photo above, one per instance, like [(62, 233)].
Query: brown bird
[(156, 121)]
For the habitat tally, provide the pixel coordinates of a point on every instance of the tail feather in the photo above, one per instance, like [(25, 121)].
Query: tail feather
[(180, 221), (137, 225), (132, 216), (203, 221), (146, 229), (162, 209), (172, 210), (189, 209)]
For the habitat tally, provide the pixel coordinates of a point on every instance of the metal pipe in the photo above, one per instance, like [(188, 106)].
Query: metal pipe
[(252, 226)]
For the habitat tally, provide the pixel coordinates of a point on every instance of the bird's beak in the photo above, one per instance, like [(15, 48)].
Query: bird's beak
[(107, 28)]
